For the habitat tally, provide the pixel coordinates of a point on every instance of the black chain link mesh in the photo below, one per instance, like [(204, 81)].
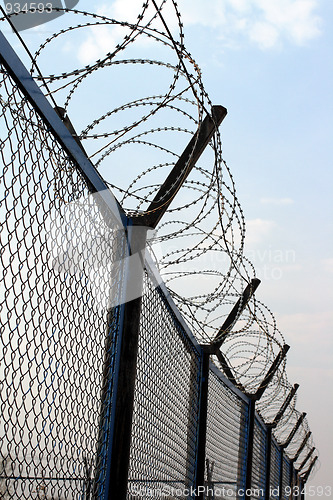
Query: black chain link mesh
[(259, 460), (164, 433), (226, 439), (286, 479), (275, 469)]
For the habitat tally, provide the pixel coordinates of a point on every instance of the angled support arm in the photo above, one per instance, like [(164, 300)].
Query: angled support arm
[(293, 432), (285, 405), (271, 372), (181, 170)]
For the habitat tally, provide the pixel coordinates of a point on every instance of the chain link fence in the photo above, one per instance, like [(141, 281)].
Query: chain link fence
[(61, 326), (55, 322), (275, 469), (226, 436)]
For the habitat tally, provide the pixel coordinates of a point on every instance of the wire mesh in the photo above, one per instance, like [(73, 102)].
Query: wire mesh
[(275, 470), (286, 479), (259, 459), (226, 439), (164, 432), (57, 278)]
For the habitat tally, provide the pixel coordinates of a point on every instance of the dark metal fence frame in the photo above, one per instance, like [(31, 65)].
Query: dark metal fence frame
[(121, 402)]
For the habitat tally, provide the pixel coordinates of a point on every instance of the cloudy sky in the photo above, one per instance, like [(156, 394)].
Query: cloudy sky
[(269, 62)]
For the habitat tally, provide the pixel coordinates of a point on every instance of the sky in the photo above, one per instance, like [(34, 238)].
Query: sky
[(270, 64), (271, 67)]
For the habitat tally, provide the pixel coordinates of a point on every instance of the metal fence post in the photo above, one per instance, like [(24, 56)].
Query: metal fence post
[(120, 440), (301, 488), (242, 458), (268, 461), (235, 313), (193, 423), (306, 459), (249, 453), (301, 448), (203, 406), (285, 405), (281, 473)]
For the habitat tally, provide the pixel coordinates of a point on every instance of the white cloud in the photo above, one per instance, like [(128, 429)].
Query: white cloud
[(266, 35), (277, 201), (264, 22), (257, 230), (104, 38), (99, 42), (295, 18), (327, 265)]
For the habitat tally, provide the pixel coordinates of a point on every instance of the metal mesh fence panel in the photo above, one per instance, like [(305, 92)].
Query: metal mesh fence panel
[(259, 460), (56, 256), (226, 439), (164, 432), (275, 469), (286, 471)]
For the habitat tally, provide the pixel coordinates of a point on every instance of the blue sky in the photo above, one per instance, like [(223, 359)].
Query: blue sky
[(275, 77), (270, 64)]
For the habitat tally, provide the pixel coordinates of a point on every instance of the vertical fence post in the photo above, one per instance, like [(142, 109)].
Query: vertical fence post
[(120, 440), (268, 461), (192, 422), (281, 473), (242, 458), (249, 453), (202, 434), (301, 488)]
